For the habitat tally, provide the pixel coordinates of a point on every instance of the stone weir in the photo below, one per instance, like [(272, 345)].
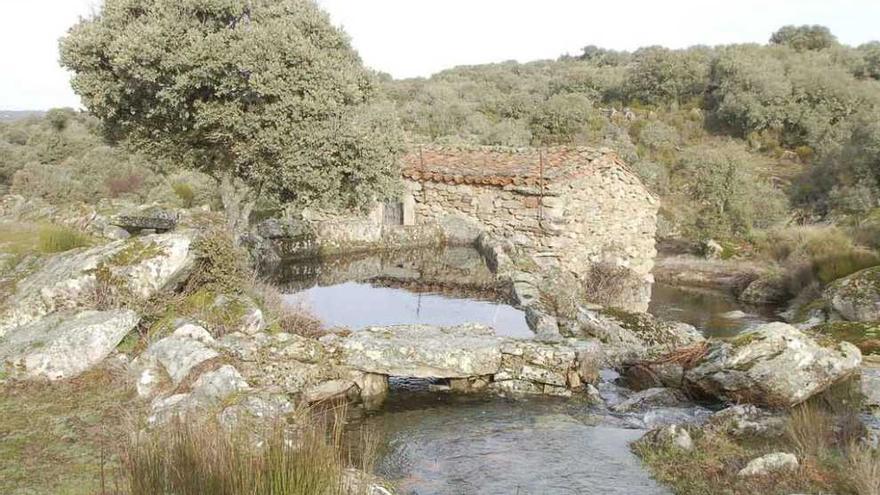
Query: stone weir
[(473, 358), (280, 367)]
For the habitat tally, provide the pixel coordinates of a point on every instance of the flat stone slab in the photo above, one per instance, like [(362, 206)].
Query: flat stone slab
[(423, 351), (65, 344), (158, 220)]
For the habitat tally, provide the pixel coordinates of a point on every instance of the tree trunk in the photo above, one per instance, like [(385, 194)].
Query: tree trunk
[(238, 202)]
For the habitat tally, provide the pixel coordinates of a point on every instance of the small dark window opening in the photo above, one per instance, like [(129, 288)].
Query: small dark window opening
[(393, 213)]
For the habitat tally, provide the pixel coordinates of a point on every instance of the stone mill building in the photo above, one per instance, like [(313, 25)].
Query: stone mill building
[(569, 206)]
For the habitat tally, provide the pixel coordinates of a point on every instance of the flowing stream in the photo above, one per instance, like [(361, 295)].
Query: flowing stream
[(440, 443)]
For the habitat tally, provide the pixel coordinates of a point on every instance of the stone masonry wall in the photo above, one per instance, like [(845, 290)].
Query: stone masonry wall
[(601, 213), (605, 214)]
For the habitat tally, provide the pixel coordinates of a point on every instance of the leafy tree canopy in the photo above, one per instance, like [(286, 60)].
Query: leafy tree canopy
[(267, 91), (803, 38)]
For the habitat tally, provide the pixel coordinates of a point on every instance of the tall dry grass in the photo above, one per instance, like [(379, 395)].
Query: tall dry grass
[(863, 469), (814, 254), (199, 458), (283, 316)]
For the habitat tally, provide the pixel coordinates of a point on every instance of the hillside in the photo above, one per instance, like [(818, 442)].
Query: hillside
[(713, 130), (14, 115)]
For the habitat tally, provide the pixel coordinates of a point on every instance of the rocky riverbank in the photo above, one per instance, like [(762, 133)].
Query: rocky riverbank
[(176, 313)]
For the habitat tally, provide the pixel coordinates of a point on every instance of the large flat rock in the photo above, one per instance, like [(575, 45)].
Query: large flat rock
[(64, 345), (138, 267), (422, 351), (773, 365)]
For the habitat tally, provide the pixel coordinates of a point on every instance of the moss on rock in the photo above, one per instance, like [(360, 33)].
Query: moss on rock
[(865, 336)]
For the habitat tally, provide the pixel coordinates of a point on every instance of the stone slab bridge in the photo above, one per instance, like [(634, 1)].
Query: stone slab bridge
[(472, 358)]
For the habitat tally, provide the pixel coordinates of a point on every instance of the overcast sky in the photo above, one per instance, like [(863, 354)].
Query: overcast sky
[(419, 37)]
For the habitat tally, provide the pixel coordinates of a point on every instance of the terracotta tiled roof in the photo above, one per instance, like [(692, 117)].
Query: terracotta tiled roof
[(501, 166)]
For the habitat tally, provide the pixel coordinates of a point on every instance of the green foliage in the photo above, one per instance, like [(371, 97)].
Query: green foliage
[(185, 192), (659, 75), (560, 118), (64, 160), (58, 118), (268, 91), (870, 64), (804, 37), (721, 184), (221, 267)]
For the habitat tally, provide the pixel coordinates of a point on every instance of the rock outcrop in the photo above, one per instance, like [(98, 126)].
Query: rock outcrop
[(774, 365), (856, 297), (767, 289), (169, 361), (138, 267), (635, 335), (65, 344)]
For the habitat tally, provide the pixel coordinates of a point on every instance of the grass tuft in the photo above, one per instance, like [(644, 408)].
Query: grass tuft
[(55, 239)]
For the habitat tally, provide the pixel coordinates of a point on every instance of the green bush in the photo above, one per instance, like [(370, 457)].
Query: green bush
[(221, 267), (724, 195), (185, 192)]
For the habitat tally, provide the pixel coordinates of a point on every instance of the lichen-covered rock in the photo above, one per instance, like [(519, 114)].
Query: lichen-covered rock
[(768, 289), (238, 313), (256, 407), (65, 344), (774, 364), (206, 394), (747, 420), (870, 384), (173, 357), (865, 336), (422, 351), (769, 464), (857, 297), (545, 326), (636, 335), (671, 437), (469, 353), (138, 267), (282, 363), (150, 217)]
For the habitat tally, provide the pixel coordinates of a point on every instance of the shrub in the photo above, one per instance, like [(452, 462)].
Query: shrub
[(55, 239), (720, 185), (124, 184), (814, 254), (285, 317), (607, 284), (185, 193), (221, 267)]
